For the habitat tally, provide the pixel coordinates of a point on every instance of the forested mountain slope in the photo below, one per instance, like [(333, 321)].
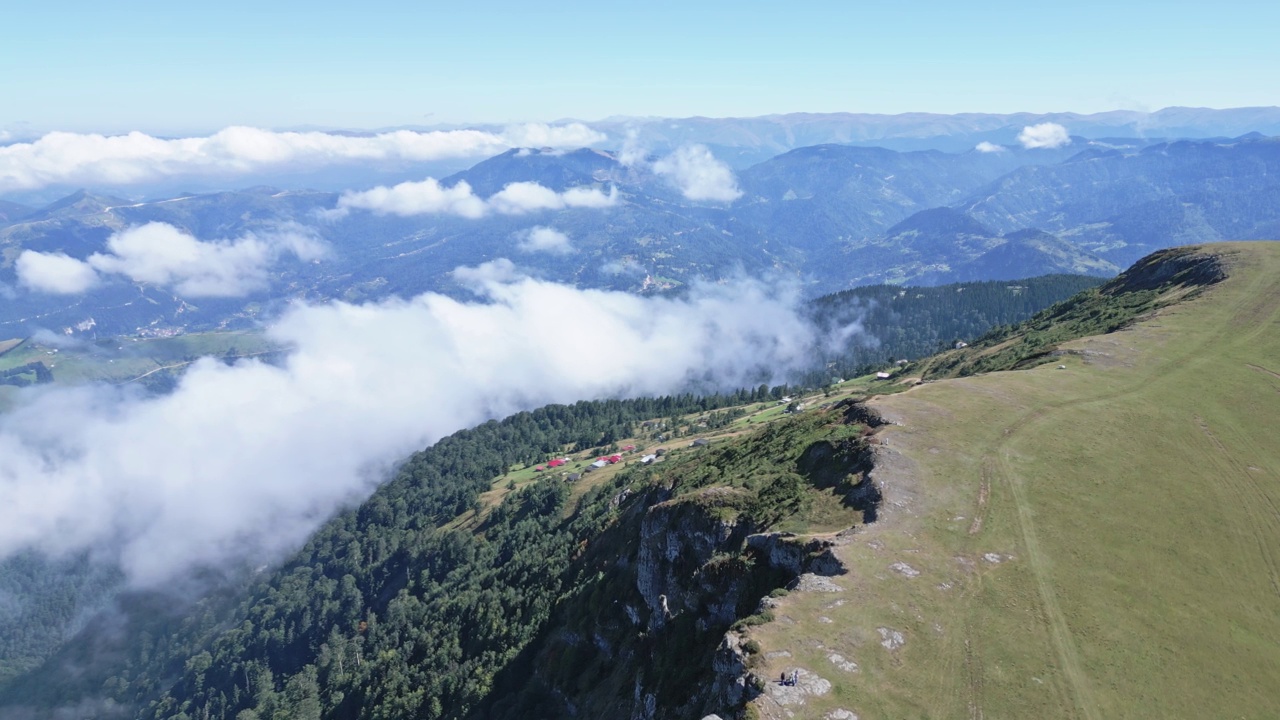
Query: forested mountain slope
[(431, 598)]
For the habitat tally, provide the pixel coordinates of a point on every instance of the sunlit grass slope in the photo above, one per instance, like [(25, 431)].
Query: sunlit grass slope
[(1095, 541)]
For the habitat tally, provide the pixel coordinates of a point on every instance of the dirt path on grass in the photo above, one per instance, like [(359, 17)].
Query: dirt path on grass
[(1059, 631)]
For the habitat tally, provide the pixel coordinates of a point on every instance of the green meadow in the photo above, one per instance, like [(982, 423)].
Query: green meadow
[(1100, 540)]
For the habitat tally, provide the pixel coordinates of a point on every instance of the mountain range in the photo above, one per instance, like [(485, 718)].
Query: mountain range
[(827, 217), (745, 141)]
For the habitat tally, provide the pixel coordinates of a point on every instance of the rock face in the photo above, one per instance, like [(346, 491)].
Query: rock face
[(651, 630), (655, 632), (810, 582), (678, 539), (785, 553), (708, 569)]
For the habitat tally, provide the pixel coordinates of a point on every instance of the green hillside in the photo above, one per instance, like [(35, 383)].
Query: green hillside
[(1090, 537), (1092, 541), (431, 599)]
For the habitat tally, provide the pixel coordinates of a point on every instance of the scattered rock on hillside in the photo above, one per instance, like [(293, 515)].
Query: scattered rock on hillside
[(904, 569), (809, 582), (808, 684), (843, 663), (891, 639)]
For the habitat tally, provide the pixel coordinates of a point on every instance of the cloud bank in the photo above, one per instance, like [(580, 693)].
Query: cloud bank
[(429, 197), (544, 239), (698, 174), (63, 158), (247, 460), (161, 254), (1045, 135)]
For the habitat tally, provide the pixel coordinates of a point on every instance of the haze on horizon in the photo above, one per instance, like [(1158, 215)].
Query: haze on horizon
[(172, 69)]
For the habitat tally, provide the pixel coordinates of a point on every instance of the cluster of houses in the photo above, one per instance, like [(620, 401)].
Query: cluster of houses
[(606, 460), (601, 462)]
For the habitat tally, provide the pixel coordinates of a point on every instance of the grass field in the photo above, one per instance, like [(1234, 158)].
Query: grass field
[(1099, 541), (123, 359), (126, 360)]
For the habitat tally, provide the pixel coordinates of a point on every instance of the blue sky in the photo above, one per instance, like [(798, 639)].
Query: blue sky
[(177, 67)]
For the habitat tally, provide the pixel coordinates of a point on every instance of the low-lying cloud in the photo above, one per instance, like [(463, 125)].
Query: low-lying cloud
[(55, 273), (163, 255), (248, 459), (63, 158), (546, 240), (1045, 135), (698, 174), (988, 147), (429, 197)]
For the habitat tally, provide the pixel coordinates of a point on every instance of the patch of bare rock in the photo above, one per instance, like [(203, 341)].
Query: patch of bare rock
[(808, 684), (810, 582), (891, 639)]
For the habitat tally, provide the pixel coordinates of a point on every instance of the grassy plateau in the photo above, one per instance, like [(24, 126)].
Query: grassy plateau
[(1097, 537)]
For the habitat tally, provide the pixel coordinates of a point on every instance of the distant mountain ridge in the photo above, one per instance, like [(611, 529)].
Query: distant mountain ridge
[(744, 141), (828, 217), (1125, 205)]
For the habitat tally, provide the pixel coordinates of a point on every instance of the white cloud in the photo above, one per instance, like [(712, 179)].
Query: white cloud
[(55, 273), (539, 135), (523, 197), (545, 239), (90, 159), (988, 147), (1045, 135), (625, 266), (699, 175), (429, 197), (247, 460), (477, 278), (161, 254), (633, 152)]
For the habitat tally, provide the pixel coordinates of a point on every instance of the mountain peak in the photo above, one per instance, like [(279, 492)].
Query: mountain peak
[(78, 203), (555, 169), (940, 221)]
